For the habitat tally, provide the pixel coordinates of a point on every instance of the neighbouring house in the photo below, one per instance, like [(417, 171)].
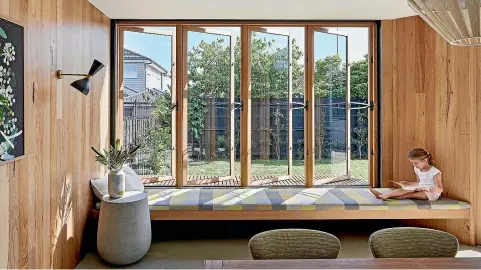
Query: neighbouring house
[(142, 73), (144, 80)]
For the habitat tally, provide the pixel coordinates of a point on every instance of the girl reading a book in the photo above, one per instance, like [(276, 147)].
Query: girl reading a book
[(428, 185)]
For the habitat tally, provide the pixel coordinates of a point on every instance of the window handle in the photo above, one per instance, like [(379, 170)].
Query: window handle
[(302, 105), (241, 105)]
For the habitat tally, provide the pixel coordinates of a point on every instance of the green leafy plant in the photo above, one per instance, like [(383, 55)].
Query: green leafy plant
[(3, 105), (2, 33), (116, 156)]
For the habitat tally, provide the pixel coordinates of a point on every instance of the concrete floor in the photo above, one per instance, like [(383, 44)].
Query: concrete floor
[(192, 249)]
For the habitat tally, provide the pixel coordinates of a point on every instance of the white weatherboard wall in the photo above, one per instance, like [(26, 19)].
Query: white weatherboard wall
[(255, 9)]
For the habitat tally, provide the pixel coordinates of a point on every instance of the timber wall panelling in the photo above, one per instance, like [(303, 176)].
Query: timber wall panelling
[(47, 192), (430, 98)]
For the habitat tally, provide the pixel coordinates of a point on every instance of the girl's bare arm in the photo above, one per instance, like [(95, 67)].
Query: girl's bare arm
[(439, 184)]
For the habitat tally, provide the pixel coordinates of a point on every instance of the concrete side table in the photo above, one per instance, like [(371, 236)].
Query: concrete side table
[(124, 232)]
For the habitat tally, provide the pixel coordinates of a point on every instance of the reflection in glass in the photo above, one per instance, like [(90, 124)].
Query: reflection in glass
[(213, 121), (147, 100), (330, 112), (270, 89)]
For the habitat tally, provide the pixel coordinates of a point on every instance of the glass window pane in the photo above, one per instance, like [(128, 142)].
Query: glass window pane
[(271, 110), (269, 84), (212, 119), (330, 58), (147, 103), (130, 71), (333, 51), (359, 128)]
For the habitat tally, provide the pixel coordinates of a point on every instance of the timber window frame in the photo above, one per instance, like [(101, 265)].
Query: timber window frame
[(180, 88)]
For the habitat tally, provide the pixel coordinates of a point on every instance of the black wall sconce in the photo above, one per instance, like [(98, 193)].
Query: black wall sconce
[(83, 85)]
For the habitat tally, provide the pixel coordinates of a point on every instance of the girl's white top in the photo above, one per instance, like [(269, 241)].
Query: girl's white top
[(426, 179)]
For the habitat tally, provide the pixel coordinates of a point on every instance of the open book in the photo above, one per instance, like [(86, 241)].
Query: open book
[(405, 187)]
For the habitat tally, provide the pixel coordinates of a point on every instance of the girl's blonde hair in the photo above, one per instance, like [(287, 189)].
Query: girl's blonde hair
[(421, 153)]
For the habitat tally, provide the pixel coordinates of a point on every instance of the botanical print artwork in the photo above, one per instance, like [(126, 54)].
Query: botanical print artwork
[(11, 91)]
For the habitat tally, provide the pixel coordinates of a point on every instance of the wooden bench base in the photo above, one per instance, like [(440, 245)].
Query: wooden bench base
[(309, 215)]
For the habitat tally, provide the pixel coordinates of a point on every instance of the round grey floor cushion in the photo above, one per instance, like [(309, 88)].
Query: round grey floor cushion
[(294, 244), (411, 242)]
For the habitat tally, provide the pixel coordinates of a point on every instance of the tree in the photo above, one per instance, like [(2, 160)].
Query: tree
[(330, 81), (359, 90), (157, 142), (237, 136), (269, 69), (277, 139), (209, 69), (209, 79), (360, 78), (360, 138), (330, 77)]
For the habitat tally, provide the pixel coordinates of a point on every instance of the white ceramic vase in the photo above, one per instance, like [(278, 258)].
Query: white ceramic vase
[(116, 183)]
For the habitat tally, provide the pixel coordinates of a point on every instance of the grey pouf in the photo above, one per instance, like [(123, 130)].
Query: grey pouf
[(124, 232)]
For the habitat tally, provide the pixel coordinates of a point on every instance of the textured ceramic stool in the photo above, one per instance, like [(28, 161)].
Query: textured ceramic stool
[(124, 233)]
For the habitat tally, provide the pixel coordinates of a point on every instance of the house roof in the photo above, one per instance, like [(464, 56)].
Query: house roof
[(131, 55), (129, 91), (144, 96)]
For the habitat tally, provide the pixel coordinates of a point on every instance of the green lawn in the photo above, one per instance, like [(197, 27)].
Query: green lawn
[(359, 168)]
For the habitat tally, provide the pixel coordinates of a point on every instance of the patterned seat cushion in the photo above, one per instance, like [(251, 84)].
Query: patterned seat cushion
[(208, 199)]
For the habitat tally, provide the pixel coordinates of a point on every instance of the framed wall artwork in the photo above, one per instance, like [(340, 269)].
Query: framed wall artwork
[(12, 135)]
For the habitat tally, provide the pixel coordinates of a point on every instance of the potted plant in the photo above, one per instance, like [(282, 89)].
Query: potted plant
[(113, 159)]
